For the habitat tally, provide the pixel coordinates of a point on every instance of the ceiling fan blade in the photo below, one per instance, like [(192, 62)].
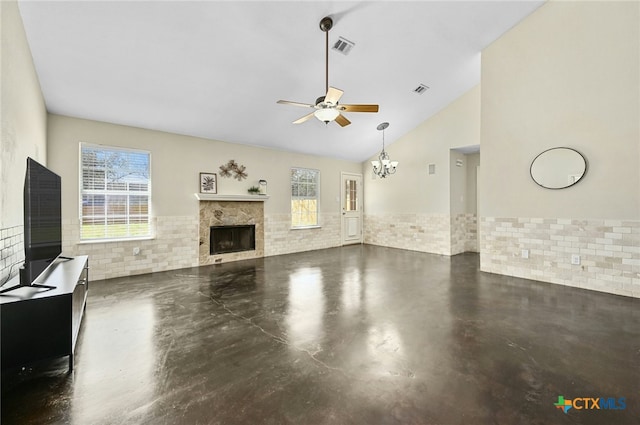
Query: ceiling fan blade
[(303, 119), (333, 95), (342, 120), (287, 102), (358, 108)]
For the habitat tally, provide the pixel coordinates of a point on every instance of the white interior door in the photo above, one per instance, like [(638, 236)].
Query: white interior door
[(351, 204)]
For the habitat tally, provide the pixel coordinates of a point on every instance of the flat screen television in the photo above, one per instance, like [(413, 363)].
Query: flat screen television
[(42, 223)]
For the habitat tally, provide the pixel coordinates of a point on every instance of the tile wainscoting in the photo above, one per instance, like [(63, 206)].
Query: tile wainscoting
[(464, 233), (609, 252), (609, 249), (415, 232), (11, 251), (281, 239), (174, 247)]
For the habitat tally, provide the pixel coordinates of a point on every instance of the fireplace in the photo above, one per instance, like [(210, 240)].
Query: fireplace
[(226, 239), (220, 214)]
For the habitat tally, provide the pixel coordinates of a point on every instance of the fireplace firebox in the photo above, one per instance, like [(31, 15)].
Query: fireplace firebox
[(226, 239)]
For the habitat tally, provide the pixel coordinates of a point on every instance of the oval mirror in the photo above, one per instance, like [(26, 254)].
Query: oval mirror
[(558, 168)]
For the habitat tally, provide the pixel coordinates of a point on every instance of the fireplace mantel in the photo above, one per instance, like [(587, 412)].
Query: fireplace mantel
[(241, 198)]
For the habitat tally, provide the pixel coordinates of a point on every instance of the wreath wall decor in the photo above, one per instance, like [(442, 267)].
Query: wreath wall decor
[(232, 168), (240, 174)]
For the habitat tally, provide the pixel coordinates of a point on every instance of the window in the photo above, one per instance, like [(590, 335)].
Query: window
[(305, 192), (350, 195), (115, 193)]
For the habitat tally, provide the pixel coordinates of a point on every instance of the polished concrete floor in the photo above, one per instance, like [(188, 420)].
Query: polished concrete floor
[(352, 335)]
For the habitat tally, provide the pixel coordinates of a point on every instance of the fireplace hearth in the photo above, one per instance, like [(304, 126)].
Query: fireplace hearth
[(227, 239)]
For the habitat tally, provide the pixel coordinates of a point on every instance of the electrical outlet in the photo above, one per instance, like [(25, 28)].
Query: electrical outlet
[(525, 253), (575, 259), (136, 251)]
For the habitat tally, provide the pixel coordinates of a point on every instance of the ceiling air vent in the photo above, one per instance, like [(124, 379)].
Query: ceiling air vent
[(343, 45), (421, 89)]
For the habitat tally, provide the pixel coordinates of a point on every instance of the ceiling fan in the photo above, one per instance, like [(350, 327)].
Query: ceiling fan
[(327, 107)]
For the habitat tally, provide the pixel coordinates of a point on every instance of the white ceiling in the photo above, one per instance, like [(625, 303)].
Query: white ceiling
[(216, 69)]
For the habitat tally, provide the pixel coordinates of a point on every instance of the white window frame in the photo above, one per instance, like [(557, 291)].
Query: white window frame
[(127, 193), (317, 198)]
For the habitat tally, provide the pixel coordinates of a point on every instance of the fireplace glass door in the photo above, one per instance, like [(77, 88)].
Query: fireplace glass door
[(226, 239)]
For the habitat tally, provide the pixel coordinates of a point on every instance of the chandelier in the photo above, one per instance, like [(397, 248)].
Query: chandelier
[(384, 166)]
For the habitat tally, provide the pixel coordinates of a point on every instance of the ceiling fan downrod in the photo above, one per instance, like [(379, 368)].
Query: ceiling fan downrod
[(326, 24)]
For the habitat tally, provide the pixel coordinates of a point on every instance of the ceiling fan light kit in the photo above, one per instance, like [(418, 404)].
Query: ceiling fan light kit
[(326, 114), (327, 108)]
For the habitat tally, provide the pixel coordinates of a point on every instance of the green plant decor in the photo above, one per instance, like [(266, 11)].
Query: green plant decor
[(254, 190)]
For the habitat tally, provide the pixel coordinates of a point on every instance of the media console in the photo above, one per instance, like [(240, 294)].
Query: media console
[(37, 323)]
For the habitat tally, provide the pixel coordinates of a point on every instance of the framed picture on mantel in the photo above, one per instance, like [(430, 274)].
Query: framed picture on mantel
[(208, 183)]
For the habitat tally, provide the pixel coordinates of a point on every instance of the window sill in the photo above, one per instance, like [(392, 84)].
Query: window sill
[(94, 241), (306, 227)]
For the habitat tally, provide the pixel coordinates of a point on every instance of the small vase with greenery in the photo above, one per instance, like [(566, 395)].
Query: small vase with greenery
[(254, 190)]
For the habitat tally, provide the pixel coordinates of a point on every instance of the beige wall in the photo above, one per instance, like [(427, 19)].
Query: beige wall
[(472, 162), (176, 162), (413, 209), (23, 121), (24, 117), (457, 183), (411, 189), (463, 182), (568, 75)]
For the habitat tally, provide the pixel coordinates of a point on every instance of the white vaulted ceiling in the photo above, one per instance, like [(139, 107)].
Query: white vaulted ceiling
[(216, 69)]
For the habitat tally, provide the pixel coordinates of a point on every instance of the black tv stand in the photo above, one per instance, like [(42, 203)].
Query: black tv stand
[(36, 324)]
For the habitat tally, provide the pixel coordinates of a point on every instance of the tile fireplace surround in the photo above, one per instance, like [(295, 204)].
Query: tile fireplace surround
[(229, 213)]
